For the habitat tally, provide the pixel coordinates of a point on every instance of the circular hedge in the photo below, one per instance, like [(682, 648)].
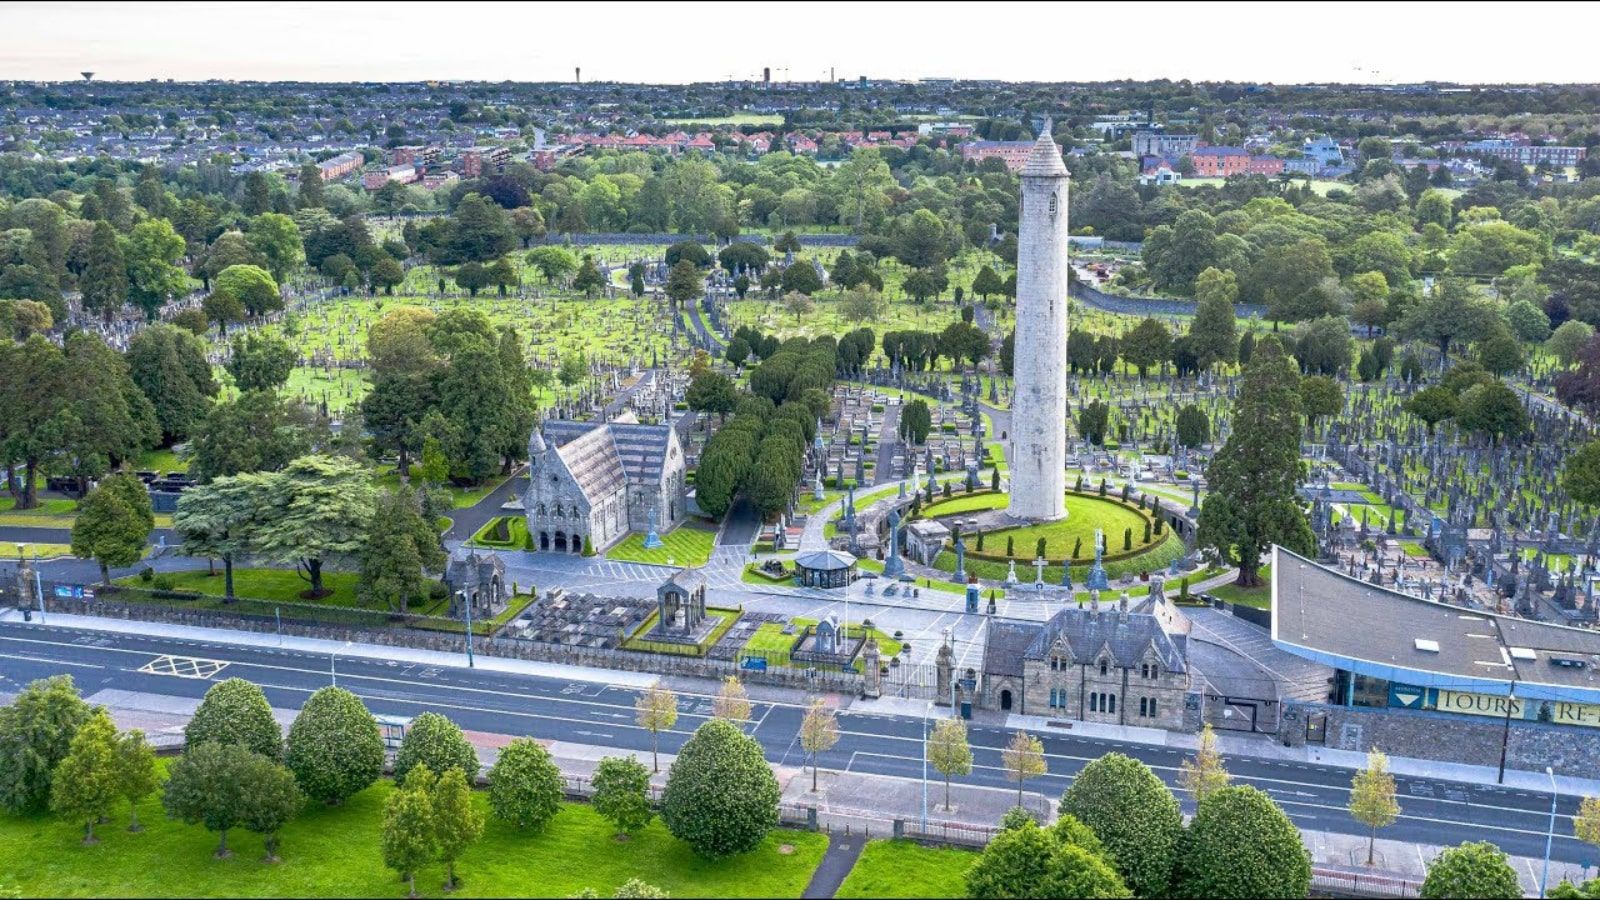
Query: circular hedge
[(721, 797), (1240, 844)]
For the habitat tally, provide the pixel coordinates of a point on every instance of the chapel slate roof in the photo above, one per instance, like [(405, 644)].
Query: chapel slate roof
[(638, 452), (1008, 641), (1127, 636)]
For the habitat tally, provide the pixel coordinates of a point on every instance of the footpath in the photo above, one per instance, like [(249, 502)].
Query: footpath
[(854, 807)]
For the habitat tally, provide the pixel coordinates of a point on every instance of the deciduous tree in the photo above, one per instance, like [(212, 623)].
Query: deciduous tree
[(622, 793), (656, 710), (721, 797), (949, 753), (236, 712), (525, 787), (335, 748)]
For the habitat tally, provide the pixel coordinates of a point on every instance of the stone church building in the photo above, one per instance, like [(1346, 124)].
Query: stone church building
[(598, 481), (1121, 665)]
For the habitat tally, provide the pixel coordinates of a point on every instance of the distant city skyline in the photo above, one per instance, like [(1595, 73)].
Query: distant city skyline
[(679, 43)]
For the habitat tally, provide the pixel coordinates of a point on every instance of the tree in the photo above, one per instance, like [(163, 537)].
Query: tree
[(712, 392), (721, 797), (437, 743), (335, 748), (732, 701), (588, 280), (1455, 311), (1241, 845), (798, 305), (324, 505), (1433, 405), (236, 712), (1320, 396), (386, 274), (1470, 872), (409, 837), (134, 763), (949, 753), (915, 422), (212, 785), (401, 548), (1203, 775), (457, 824), (1500, 353), (525, 787), (986, 282), (1023, 760), (1193, 426), (554, 263), (257, 432), (1254, 477), (1026, 861), (1093, 420), (113, 523), (104, 283), (656, 710), (622, 793), (1580, 474), (271, 799), (223, 309), (170, 367), (276, 240), (1134, 814), (1493, 409), (260, 362), (1586, 824), (36, 732), (1372, 797), (1147, 344), (252, 286), (1568, 340), (84, 785), (479, 232), (1213, 333), (819, 731), (800, 277), (684, 282), (861, 305), (215, 520), (153, 278)]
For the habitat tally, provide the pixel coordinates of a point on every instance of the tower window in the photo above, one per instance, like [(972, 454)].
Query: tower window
[(1052, 206)]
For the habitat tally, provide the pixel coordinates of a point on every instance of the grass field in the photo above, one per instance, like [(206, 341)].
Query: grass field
[(742, 118), (278, 585), (1084, 515), (965, 503), (1260, 597), (334, 852), (907, 869), (686, 545), (770, 641)]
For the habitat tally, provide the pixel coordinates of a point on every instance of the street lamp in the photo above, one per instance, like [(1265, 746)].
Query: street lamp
[(1550, 833), (333, 671)]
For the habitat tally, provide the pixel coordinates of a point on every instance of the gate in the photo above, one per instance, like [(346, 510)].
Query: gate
[(1251, 714), (1317, 728)]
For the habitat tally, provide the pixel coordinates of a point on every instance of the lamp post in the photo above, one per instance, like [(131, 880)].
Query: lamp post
[(1505, 733), (1550, 832), (333, 670)]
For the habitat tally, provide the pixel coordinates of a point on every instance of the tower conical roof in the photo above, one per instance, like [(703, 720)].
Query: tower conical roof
[(1045, 157)]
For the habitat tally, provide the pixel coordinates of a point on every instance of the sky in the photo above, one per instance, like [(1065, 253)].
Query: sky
[(683, 42)]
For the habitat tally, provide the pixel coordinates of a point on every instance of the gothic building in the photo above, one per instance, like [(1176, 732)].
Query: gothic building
[(1122, 665), (595, 482)]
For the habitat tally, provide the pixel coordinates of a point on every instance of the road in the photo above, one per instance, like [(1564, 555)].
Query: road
[(1434, 811)]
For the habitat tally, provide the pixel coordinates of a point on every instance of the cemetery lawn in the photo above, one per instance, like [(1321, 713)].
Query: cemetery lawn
[(274, 586), (161, 460), (52, 512), (460, 497), (726, 619), (1084, 515), (686, 545), (333, 851), (1260, 597), (41, 551), (769, 641), (908, 869), (966, 503)]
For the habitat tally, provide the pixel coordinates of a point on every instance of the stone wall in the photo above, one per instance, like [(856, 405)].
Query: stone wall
[(1472, 740), (510, 648)]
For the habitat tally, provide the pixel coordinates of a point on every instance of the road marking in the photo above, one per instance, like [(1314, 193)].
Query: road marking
[(184, 667)]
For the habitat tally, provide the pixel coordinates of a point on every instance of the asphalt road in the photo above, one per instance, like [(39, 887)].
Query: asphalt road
[(1434, 811)]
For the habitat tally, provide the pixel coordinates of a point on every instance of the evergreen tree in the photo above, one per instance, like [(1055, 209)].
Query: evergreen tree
[(335, 748), (236, 712), (457, 824), (525, 787), (1254, 477), (400, 550), (104, 283), (113, 523)]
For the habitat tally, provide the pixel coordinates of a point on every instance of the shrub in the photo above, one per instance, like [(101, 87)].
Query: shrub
[(236, 712), (335, 749), (438, 742), (1240, 844), (721, 796), (622, 793), (525, 787), (1470, 871), (1133, 814)]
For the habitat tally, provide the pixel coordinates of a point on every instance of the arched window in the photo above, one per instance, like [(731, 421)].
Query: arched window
[(1104, 667), (1094, 703), (1152, 707), (1111, 703), (1143, 704)]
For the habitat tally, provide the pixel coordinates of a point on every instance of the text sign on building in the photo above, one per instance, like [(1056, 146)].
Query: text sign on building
[(1478, 704), (1575, 714)]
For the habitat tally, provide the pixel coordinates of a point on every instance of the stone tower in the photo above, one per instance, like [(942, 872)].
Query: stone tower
[(1038, 452)]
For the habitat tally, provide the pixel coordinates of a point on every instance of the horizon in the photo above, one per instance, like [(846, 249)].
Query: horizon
[(54, 42)]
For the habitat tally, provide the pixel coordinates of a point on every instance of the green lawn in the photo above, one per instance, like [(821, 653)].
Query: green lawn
[(741, 118), (686, 545), (908, 869), (52, 512), (966, 503), (277, 586), (515, 533), (40, 551), (1260, 597), (726, 619), (770, 641), (334, 852), (1084, 515), (161, 460), (460, 497)]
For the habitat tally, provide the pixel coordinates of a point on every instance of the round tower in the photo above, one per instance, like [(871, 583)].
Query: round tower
[(1038, 452)]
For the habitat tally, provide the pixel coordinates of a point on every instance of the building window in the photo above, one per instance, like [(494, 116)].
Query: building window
[(1111, 703), (1152, 707), (1094, 703), (1052, 205), (1143, 710), (1104, 667)]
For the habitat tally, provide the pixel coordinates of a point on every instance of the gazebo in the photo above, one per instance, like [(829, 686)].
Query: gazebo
[(825, 568)]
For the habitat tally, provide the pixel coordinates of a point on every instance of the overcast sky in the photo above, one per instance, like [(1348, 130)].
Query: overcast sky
[(684, 42)]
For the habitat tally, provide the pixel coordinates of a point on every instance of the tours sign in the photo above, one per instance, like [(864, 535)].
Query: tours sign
[(1497, 706)]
